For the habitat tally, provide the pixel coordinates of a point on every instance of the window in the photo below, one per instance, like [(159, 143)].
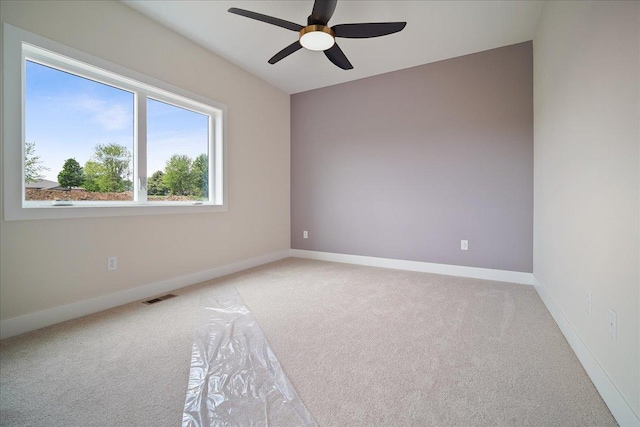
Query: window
[(177, 153), (99, 140), (79, 138)]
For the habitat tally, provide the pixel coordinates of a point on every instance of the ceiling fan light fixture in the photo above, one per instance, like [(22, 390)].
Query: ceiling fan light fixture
[(317, 37)]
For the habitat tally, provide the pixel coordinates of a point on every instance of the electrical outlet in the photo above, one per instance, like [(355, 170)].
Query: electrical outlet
[(613, 324), (112, 263), (305, 234), (464, 245), (587, 303)]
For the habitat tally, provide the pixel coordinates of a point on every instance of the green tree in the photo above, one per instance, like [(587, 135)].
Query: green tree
[(156, 186), (116, 167), (71, 174), (200, 176), (109, 170), (33, 167), (177, 175), (92, 172)]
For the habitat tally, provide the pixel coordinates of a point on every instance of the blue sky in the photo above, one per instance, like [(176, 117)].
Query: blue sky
[(67, 116)]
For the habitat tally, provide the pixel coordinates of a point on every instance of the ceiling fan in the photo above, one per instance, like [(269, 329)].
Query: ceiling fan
[(318, 36)]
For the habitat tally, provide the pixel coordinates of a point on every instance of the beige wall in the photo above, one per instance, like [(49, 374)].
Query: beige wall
[(586, 175), (54, 262)]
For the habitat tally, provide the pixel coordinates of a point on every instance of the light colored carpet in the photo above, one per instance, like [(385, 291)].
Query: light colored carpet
[(361, 345)]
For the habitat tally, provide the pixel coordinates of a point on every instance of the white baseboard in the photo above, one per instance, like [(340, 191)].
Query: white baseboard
[(424, 267), (32, 321), (621, 410)]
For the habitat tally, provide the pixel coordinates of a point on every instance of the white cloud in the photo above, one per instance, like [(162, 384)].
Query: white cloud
[(110, 116)]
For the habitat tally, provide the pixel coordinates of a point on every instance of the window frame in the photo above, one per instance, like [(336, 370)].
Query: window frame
[(20, 46)]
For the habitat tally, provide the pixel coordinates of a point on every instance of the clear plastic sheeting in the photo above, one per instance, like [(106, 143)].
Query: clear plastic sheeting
[(235, 378)]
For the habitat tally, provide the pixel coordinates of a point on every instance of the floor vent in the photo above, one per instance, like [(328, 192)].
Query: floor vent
[(162, 298)]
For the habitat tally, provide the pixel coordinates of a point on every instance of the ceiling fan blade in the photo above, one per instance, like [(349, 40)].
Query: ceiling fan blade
[(293, 47), (337, 56), (265, 18), (322, 11), (365, 31)]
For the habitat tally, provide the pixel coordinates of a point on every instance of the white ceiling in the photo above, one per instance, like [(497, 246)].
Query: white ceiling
[(435, 30)]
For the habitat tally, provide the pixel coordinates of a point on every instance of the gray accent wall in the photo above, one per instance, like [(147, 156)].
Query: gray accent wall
[(406, 164)]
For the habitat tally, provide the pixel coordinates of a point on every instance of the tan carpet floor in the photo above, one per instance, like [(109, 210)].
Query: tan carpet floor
[(361, 345)]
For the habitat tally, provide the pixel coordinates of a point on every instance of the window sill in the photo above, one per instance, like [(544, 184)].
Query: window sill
[(38, 211)]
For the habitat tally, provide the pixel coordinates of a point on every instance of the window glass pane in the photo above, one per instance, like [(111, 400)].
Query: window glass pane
[(78, 138), (177, 153)]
